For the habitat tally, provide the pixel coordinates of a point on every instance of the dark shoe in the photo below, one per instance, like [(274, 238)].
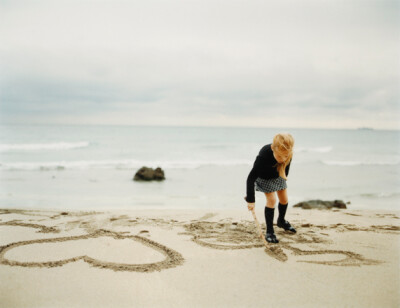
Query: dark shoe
[(271, 238), (286, 225)]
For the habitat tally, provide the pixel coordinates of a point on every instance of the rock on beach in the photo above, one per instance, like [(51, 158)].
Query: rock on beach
[(149, 174)]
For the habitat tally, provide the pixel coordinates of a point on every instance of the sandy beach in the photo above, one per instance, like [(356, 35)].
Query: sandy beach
[(197, 258)]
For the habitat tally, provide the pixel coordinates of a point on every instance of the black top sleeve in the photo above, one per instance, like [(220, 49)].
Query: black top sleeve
[(287, 168), (250, 198)]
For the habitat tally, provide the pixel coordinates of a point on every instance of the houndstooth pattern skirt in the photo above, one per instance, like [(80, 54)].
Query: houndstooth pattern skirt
[(270, 185)]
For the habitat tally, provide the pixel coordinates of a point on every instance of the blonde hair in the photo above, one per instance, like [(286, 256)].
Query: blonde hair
[(283, 143)]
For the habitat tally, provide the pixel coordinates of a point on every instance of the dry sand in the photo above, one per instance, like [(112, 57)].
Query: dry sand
[(198, 258)]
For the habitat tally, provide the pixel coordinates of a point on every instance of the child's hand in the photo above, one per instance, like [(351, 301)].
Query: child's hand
[(251, 206)]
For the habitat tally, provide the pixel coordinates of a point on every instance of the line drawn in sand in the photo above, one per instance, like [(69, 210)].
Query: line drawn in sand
[(43, 229), (173, 258), (226, 235)]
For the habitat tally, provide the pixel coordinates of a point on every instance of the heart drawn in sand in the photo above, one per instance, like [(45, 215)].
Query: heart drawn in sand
[(100, 238)]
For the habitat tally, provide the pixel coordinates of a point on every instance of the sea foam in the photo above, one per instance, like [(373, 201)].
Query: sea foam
[(43, 146), (117, 164), (359, 163), (325, 149)]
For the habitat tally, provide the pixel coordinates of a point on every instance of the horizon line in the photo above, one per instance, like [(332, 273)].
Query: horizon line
[(199, 126)]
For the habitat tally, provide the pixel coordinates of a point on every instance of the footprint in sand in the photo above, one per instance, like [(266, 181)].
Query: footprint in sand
[(394, 216), (207, 216), (352, 214), (144, 233)]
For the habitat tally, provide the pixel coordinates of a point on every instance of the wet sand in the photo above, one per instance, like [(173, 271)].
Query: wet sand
[(198, 258)]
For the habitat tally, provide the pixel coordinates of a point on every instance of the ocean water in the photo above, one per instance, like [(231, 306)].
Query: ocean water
[(92, 167)]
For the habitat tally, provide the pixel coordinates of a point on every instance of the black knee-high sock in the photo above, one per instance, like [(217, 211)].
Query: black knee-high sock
[(269, 219), (282, 211)]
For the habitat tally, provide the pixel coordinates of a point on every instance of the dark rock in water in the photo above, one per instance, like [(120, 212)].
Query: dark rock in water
[(149, 174), (320, 204), (159, 174)]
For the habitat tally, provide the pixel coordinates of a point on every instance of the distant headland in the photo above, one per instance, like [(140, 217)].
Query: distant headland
[(365, 128)]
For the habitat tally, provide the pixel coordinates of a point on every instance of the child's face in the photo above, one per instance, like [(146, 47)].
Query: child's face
[(280, 157)]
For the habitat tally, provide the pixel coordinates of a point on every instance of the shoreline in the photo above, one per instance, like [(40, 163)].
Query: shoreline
[(205, 187)]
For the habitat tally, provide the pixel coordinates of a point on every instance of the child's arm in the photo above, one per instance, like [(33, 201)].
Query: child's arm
[(250, 198), (287, 168)]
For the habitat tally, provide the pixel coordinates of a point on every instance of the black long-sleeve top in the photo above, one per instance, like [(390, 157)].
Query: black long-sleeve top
[(265, 168)]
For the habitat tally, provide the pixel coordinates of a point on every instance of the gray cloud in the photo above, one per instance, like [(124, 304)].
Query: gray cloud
[(200, 62)]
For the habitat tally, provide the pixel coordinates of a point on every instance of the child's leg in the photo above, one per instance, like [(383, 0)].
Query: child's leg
[(269, 211), (283, 204), (269, 217), (271, 199)]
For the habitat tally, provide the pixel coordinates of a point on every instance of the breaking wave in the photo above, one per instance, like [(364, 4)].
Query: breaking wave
[(117, 164), (43, 146), (326, 149), (359, 163)]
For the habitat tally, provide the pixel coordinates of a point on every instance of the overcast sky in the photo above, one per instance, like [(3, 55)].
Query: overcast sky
[(204, 63)]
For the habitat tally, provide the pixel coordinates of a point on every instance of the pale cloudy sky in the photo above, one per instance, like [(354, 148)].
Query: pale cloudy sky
[(201, 62)]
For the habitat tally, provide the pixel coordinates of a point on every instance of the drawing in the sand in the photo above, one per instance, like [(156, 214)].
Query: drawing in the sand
[(224, 234), (172, 258), (228, 235)]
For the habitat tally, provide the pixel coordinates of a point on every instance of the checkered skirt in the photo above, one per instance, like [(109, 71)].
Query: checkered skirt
[(270, 185)]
